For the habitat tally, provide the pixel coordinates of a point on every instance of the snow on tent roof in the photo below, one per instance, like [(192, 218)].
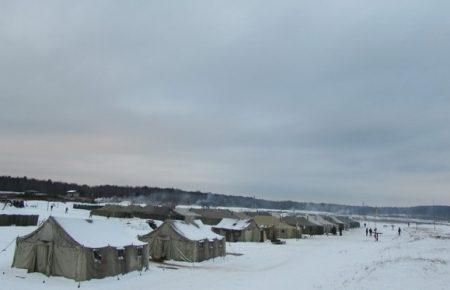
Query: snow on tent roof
[(98, 233), (195, 231), (233, 224)]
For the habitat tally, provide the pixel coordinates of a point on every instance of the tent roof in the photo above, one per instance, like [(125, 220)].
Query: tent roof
[(186, 212), (195, 231), (264, 220), (214, 213), (233, 224), (97, 233)]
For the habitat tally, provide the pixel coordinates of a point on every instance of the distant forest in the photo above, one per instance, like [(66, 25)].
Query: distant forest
[(156, 195)]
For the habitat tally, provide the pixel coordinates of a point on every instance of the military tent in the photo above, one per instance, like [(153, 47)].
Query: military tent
[(80, 249), (187, 214), (214, 216), (349, 222), (18, 220), (111, 210), (306, 226), (327, 226), (274, 228), (340, 225), (184, 241), (236, 230)]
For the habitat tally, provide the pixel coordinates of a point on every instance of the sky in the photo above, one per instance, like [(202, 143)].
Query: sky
[(325, 101)]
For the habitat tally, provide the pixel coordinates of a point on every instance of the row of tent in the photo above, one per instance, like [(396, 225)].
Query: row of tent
[(276, 226), (73, 248)]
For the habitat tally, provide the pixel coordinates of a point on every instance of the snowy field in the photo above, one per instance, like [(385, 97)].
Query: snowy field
[(418, 259)]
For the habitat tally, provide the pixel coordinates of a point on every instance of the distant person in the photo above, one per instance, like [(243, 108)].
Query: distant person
[(370, 231), (67, 209), (340, 231), (399, 231), (367, 232), (408, 224), (365, 225), (51, 207)]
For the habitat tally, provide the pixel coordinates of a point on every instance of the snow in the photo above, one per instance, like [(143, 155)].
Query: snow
[(418, 259), (195, 231), (233, 224), (98, 233)]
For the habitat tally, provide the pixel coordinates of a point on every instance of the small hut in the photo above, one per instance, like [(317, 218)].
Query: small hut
[(184, 241), (236, 230), (80, 249)]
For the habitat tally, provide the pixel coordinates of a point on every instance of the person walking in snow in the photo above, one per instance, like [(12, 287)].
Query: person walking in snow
[(399, 231), (370, 231), (67, 209), (367, 232)]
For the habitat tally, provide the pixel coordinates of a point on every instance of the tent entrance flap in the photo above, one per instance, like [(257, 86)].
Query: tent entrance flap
[(43, 258), (161, 250)]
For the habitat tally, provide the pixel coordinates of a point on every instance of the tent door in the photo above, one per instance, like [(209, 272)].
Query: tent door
[(43, 258), (162, 248)]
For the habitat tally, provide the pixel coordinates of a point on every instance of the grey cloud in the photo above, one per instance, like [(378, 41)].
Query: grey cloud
[(306, 100)]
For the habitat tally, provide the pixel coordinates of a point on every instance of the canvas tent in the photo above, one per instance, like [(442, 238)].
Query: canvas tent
[(274, 228), (213, 216), (327, 226), (184, 241), (111, 210), (236, 230), (80, 249), (146, 212), (188, 215), (306, 226), (340, 225), (18, 220), (349, 222)]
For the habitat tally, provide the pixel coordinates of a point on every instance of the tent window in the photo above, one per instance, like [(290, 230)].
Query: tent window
[(97, 256), (139, 252), (120, 253)]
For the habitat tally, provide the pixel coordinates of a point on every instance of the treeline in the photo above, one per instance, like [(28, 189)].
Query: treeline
[(177, 196)]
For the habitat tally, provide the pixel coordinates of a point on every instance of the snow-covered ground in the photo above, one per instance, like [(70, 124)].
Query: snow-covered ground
[(418, 259)]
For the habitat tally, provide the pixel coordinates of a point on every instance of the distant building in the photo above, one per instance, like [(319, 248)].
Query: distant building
[(72, 193)]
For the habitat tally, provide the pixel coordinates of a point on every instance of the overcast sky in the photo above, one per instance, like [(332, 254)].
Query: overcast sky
[(327, 101)]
